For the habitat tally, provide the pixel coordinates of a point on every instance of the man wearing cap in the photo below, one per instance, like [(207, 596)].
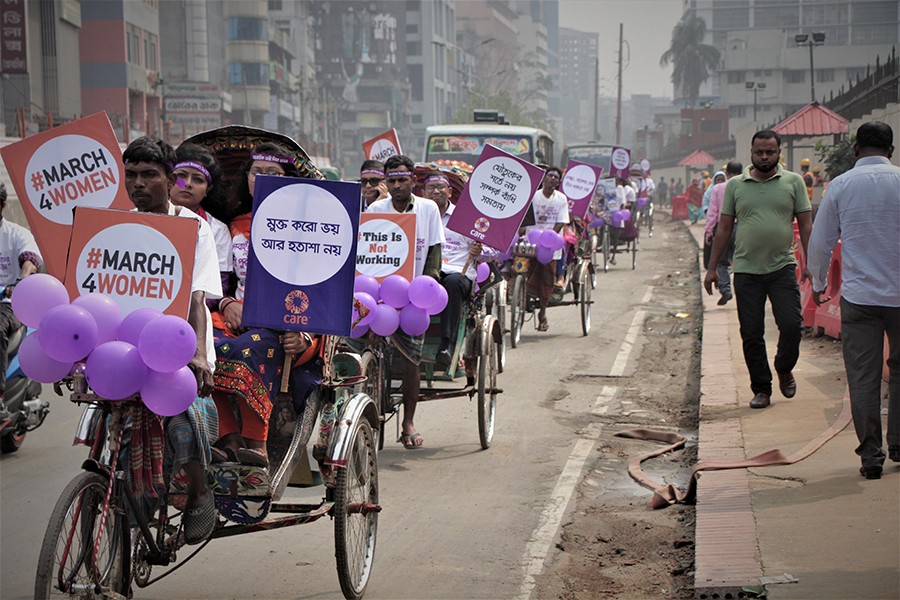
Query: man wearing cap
[(808, 179), (399, 174), (371, 176)]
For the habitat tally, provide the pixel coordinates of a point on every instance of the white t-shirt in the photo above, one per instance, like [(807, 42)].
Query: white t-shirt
[(455, 249), (429, 229), (624, 195), (222, 239), (206, 273), (14, 240), (548, 212)]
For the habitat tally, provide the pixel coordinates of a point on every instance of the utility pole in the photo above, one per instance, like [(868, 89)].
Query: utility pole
[(596, 136), (619, 93)]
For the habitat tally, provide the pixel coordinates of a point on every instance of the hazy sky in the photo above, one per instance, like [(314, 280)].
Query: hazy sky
[(648, 31)]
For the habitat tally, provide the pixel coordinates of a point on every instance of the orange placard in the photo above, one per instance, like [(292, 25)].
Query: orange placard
[(76, 164), (382, 146), (140, 260), (387, 245)]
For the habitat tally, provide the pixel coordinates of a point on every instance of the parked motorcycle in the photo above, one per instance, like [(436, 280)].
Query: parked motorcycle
[(27, 410)]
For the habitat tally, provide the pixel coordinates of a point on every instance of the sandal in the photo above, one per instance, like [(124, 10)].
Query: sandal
[(199, 520), (544, 325), (411, 441), (253, 457), (223, 456)]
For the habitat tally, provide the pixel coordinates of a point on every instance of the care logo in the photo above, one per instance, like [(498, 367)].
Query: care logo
[(482, 225), (135, 265), (68, 171), (296, 302)]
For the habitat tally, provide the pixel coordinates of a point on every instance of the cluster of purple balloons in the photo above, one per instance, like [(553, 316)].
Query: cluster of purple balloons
[(144, 351), (617, 217), (641, 202), (547, 241), (396, 303)]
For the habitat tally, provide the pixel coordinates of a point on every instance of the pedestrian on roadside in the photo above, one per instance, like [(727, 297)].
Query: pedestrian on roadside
[(765, 199), (716, 196), (862, 208), (663, 191)]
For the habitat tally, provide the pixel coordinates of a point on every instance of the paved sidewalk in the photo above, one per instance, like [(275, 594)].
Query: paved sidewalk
[(818, 521)]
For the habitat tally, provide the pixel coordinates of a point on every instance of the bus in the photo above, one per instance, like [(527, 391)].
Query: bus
[(592, 153), (465, 142)]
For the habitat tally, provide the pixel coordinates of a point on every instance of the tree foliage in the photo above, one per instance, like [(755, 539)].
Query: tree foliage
[(838, 158), (691, 59), (501, 102)]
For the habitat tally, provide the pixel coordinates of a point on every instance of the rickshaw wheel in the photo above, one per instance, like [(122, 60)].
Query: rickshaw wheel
[(487, 384), (517, 311), (373, 387), (584, 297), (355, 527)]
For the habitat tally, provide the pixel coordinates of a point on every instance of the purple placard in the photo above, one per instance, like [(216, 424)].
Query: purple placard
[(619, 162), (493, 203), (579, 184)]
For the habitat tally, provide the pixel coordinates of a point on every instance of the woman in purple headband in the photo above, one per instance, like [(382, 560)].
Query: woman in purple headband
[(249, 362)]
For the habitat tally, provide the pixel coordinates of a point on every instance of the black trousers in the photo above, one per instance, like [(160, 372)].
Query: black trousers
[(781, 289), (9, 324), (862, 338), (458, 287)]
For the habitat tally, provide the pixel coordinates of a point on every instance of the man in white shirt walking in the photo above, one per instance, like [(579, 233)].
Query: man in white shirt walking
[(862, 208)]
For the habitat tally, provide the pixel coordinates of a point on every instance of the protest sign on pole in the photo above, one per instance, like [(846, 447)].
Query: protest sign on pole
[(386, 245), (493, 203), (579, 184), (76, 164), (382, 146), (619, 161), (140, 260), (302, 262)]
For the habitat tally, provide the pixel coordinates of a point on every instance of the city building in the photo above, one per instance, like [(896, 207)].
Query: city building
[(40, 73), (578, 76)]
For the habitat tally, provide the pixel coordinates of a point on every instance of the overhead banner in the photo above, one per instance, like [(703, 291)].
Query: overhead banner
[(140, 260), (382, 146), (74, 165), (496, 198), (302, 264), (387, 245), (619, 161), (579, 184)]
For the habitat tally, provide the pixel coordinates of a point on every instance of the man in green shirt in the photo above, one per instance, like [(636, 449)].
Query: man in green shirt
[(764, 202)]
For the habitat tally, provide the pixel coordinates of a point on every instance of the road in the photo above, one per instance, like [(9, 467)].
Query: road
[(457, 522)]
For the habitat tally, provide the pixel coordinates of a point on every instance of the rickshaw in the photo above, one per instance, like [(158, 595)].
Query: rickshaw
[(478, 351), (579, 276), (102, 537)]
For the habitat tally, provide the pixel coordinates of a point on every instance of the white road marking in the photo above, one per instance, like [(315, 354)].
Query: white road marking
[(548, 525), (637, 322)]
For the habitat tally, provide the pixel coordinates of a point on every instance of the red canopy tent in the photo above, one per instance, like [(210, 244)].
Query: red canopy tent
[(811, 120), (697, 160)]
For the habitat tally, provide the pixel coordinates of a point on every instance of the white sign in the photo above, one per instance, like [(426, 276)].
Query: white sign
[(382, 248)]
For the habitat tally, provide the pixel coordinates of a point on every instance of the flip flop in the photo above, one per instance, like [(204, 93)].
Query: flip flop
[(411, 441), (223, 456), (252, 457), (544, 325), (199, 520)]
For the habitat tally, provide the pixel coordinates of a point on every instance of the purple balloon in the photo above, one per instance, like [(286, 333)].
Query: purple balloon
[(641, 203), (598, 223), (35, 295), (167, 343), (169, 394), (370, 303), (36, 364), (133, 324), (626, 214), (616, 218), (359, 331), (551, 239), (67, 333), (440, 301), (367, 284), (534, 236), (544, 254), (115, 370), (395, 291), (386, 320), (414, 320), (106, 313), (422, 291), (482, 272)]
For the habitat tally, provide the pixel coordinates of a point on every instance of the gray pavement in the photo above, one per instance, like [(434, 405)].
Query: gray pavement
[(817, 521)]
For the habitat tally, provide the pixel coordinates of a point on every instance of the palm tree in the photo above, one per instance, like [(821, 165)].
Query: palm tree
[(693, 61)]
